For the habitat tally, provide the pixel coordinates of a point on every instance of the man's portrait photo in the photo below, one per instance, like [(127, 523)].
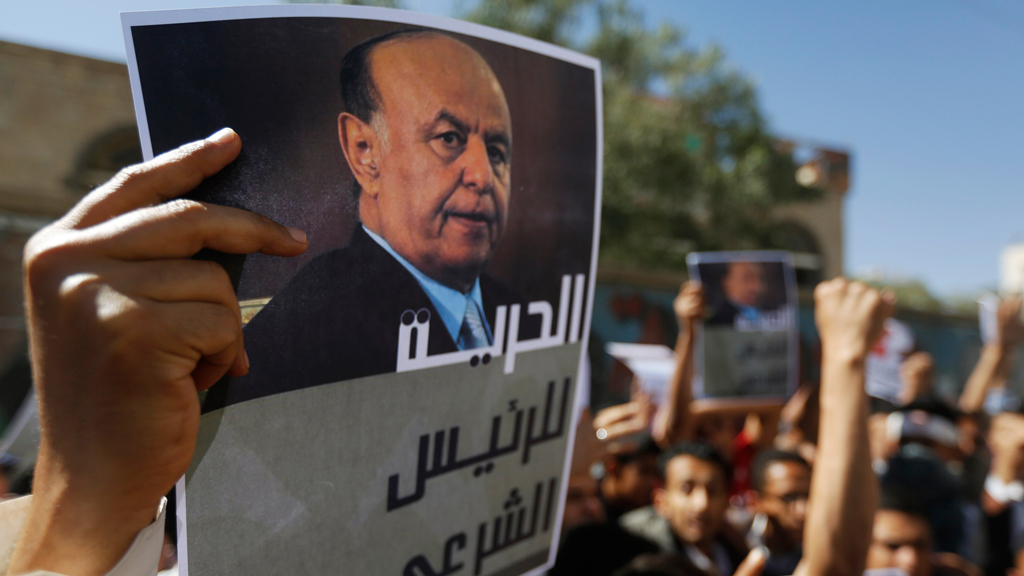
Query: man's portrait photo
[(748, 343), (440, 175), (743, 294)]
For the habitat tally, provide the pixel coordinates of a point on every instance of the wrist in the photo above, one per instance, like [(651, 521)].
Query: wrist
[(843, 356), (72, 528), (686, 334), (1004, 491)]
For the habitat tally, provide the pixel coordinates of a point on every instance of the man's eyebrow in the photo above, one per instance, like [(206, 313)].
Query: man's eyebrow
[(446, 116), (500, 137)]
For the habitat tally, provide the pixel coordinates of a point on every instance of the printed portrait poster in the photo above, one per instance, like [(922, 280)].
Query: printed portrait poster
[(882, 368), (409, 406), (748, 344)]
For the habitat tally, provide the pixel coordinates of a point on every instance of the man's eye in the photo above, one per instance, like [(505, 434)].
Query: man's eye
[(497, 154), (451, 138)]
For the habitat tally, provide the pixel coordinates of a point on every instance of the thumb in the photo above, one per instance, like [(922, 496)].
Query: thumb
[(754, 563)]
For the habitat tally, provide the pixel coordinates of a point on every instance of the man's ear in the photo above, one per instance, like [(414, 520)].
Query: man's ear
[(361, 146)]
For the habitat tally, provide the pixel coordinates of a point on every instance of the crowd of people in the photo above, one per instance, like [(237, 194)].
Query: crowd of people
[(697, 486), (125, 327)]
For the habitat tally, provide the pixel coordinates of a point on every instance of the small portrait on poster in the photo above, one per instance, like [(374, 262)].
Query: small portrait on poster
[(748, 344)]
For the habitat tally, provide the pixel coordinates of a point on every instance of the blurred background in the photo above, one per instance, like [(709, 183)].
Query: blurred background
[(874, 139)]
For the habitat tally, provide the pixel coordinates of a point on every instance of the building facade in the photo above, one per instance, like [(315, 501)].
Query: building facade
[(68, 124)]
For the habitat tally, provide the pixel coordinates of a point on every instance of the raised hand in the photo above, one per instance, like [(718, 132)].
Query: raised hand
[(623, 420), (850, 317), (917, 374), (689, 304), (125, 328)]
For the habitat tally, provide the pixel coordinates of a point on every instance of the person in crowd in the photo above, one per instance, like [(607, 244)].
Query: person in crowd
[(1003, 496), (993, 367), (781, 488), (798, 423), (590, 544), (662, 564), (844, 490), (688, 516), (927, 460), (736, 428), (583, 503), (125, 327), (901, 536), (630, 476), (917, 375)]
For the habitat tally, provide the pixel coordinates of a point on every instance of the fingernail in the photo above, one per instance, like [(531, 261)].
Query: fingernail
[(245, 356), (297, 234), (222, 136)]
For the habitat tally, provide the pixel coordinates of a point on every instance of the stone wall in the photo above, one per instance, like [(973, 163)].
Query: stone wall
[(65, 120)]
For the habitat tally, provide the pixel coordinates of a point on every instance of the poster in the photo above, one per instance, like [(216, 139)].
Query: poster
[(409, 407), (652, 365), (748, 343), (882, 368)]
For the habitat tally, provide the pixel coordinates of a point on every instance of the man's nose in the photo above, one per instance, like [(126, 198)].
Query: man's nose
[(908, 558), (476, 166), (700, 500), (800, 509)]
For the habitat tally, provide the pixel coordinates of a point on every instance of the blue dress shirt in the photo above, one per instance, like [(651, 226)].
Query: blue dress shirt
[(449, 303)]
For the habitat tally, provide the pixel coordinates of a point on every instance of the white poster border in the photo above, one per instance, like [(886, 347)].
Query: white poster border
[(160, 17), (792, 295)]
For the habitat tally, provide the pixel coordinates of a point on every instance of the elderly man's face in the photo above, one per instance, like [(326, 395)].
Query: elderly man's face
[(744, 283), (442, 199)]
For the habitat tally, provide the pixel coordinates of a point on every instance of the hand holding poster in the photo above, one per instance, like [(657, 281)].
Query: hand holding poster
[(409, 403), (748, 346)]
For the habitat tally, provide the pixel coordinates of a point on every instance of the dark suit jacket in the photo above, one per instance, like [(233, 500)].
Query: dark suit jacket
[(337, 319), (724, 314)]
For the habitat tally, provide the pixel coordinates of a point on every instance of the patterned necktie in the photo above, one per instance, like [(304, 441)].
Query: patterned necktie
[(472, 334)]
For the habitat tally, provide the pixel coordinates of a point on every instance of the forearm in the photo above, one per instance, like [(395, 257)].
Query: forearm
[(72, 530), (844, 491), (673, 417), (990, 372)]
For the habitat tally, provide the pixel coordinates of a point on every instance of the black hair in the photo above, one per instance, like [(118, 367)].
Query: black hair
[(896, 498), (768, 457), (700, 450), (358, 91), (646, 447), (934, 408), (357, 88)]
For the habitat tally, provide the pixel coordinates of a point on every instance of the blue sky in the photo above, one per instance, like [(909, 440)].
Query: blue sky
[(928, 96)]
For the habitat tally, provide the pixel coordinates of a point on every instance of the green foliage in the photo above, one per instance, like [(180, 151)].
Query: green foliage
[(689, 163)]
